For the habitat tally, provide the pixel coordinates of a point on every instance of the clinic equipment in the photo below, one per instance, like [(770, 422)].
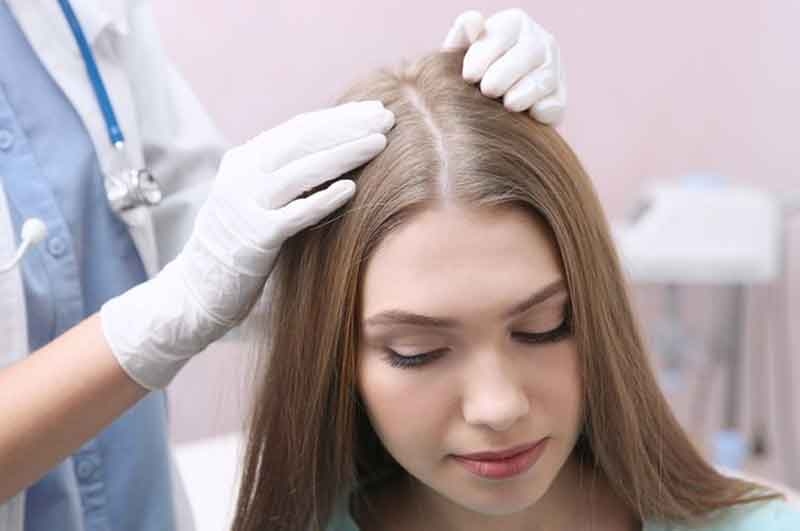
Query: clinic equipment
[(130, 187), (33, 231), (734, 237)]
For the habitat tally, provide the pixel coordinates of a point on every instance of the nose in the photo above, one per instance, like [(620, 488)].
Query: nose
[(494, 396)]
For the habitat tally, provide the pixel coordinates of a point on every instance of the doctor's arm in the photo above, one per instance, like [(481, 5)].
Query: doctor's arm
[(55, 400), (60, 396)]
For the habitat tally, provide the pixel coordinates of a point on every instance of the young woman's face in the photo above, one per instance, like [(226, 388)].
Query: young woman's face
[(467, 368)]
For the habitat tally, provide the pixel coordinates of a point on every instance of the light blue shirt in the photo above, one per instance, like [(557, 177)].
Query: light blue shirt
[(121, 479)]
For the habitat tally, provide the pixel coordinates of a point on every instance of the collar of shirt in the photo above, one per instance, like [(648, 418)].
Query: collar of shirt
[(95, 16)]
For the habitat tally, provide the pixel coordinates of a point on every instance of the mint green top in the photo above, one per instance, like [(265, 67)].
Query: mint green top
[(774, 515)]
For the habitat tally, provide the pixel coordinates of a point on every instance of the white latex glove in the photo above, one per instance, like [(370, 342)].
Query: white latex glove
[(513, 57), (155, 328)]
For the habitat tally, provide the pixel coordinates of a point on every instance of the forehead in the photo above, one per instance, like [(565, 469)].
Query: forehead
[(449, 256)]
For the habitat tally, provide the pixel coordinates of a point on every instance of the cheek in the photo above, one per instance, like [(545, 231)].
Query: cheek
[(406, 411), (559, 386)]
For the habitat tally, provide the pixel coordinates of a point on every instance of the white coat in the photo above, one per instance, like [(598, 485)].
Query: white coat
[(165, 128)]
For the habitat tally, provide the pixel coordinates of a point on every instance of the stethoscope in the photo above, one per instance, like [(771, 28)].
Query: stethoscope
[(126, 189)]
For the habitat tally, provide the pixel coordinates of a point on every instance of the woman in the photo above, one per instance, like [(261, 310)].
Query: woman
[(456, 349)]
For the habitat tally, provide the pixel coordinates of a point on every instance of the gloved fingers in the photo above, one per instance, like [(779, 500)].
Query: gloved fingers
[(550, 109), (530, 89), (501, 32), (522, 59), (482, 54), (302, 175), (307, 211), (320, 130), (465, 30)]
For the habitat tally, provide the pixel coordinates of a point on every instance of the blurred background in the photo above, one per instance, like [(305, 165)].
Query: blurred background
[(684, 114)]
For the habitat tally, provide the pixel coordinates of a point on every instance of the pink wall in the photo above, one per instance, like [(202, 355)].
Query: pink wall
[(657, 89)]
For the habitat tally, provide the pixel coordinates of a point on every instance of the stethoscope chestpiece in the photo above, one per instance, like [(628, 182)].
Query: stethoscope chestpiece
[(132, 188)]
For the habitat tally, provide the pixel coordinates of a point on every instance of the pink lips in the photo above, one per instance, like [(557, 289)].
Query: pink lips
[(503, 464)]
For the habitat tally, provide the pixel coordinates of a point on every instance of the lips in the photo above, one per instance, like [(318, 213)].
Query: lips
[(503, 454), (504, 463)]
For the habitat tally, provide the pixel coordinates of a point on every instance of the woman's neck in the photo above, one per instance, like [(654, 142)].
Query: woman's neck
[(578, 499)]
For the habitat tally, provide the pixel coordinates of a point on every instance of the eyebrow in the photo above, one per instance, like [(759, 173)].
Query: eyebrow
[(400, 317), (557, 286)]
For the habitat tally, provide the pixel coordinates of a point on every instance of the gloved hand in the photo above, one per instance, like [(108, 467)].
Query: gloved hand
[(513, 57), (252, 209)]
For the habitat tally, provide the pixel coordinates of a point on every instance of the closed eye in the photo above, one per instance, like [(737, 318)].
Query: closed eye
[(407, 362), (550, 336)]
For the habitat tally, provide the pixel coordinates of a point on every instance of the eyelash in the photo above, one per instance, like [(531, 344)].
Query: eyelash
[(417, 360)]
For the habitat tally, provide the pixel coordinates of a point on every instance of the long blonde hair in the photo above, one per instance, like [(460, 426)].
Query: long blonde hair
[(309, 441)]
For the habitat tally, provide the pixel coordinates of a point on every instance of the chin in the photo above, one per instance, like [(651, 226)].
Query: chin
[(501, 506), (499, 499), (504, 508)]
